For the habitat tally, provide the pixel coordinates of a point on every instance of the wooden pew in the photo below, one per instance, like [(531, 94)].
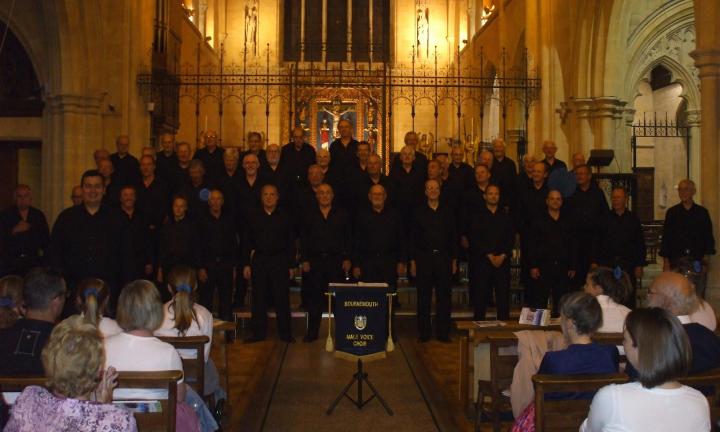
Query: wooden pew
[(567, 415), (194, 367), (501, 375)]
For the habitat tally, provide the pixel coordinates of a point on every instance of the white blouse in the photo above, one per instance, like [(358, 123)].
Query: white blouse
[(613, 315)]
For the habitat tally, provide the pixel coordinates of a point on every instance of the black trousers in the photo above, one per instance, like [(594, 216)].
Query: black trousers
[(583, 261), (486, 278), (433, 272), (553, 281), (220, 277), (324, 269), (270, 278), (381, 268)]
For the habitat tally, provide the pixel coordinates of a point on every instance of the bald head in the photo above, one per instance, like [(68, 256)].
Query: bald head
[(674, 293)]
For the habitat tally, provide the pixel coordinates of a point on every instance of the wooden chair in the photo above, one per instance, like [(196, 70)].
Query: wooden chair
[(567, 415), (502, 367), (160, 421), (194, 367), (709, 378)]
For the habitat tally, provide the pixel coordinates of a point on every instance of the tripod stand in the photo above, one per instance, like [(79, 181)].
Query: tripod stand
[(359, 377)]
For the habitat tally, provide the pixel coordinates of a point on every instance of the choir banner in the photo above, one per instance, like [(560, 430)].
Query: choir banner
[(361, 319)]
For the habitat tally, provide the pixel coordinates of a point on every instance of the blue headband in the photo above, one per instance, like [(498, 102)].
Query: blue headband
[(617, 273), (183, 287), (90, 291), (7, 302)]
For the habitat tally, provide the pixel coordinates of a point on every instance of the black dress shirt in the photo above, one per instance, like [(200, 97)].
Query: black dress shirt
[(552, 242), (179, 177), (24, 248), (270, 234), (135, 233), (177, 243), (249, 196), (85, 245), (687, 232), (343, 158), (262, 158), (463, 173), (197, 196), (379, 234), (504, 173), (126, 169), (420, 163), (532, 205), (488, 232), (213, 162), (217, 240), (229, 185), (154, 201), (296, 162), (619, 241), (434, 230), (165, 166), (282, 179), (587, 207), (320, 236)]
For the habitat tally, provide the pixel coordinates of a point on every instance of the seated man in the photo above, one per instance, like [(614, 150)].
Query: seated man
[(22, 344)]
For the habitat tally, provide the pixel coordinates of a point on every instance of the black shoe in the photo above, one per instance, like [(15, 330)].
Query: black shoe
[(253, 339), (288, 339), (219, 410), (309, 338), (444, 339)]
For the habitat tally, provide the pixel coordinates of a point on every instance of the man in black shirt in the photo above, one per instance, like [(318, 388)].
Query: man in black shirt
[(531, 206), (297, 156), (587, 205), (687, 233), (166, 158), (490, 237), (620, 241), (197, 190), (324, 251), (434, 250), (524, 177), (270, 252), (419, 160), (474, 196), (552, 254), (343, 151), (549, 149), (83, 242), (274, 173), (135, 233), (126, 166), (355, 195), (229, 182), (44, 295), (459, 169), (249, 186), (24, 234), (376, 177), (255, 147), (153, 200), (218, 254), (179, 173), (111, 196), (504, 173), (211, 156)]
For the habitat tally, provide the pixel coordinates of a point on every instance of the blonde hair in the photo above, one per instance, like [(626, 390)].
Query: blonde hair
[(183, 284), (73, 357), (139, 307), (92, 298), (11, 298)]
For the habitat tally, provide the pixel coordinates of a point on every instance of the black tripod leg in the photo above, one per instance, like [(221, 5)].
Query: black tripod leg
[(340, 396), (380, 398)]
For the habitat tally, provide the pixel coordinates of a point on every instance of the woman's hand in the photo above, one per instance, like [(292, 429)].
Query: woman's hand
[(108, 381)]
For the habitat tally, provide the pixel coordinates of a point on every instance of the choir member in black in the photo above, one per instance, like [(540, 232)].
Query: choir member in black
[(76, 195), (419, 160), (433, 261), (125, 165), (504, 173), (549, 149), (343, 151), (578, 159), (474, 197), (408, 181), (111, 198), (179, 172), (229, 182), (270, 254), (552, 254), (134, 226), (460, 170), (147, 151), (355, 196), (166, 158), (197, 190), (376, 177), (306, 200), (449, 190), (490, 237), (687, 232), (177, 239), (530, 207), (249, 185), (487, 158), (255, 147), (524, 177), (331, 175), (297, 156), (211, 156), (24, 234), (218, 251), (620, 241), (99, 155), (275, 173), (153, 200), (587, 205), (325, 247), (83, 243)]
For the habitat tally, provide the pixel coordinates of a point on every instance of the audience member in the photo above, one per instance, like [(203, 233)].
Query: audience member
[(611, 287), (93, 296), (80, 389), (11, 300), (658, 348), (24, 234)]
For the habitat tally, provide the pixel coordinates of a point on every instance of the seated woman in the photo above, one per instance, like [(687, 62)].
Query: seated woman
[(92, 299), (611, 288), (183, 317), (580, 317), (139, 314), (11, 300), (658, 347), (79, 394)]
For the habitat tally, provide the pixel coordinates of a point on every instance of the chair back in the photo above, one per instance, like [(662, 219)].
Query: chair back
[(567, 414), (194, 368), (502, 365), (165, 380), (12, 384), (707, 379)]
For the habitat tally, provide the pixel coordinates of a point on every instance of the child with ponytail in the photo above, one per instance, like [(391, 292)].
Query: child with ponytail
[(11, 301), (611, 287), (92, 300)]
